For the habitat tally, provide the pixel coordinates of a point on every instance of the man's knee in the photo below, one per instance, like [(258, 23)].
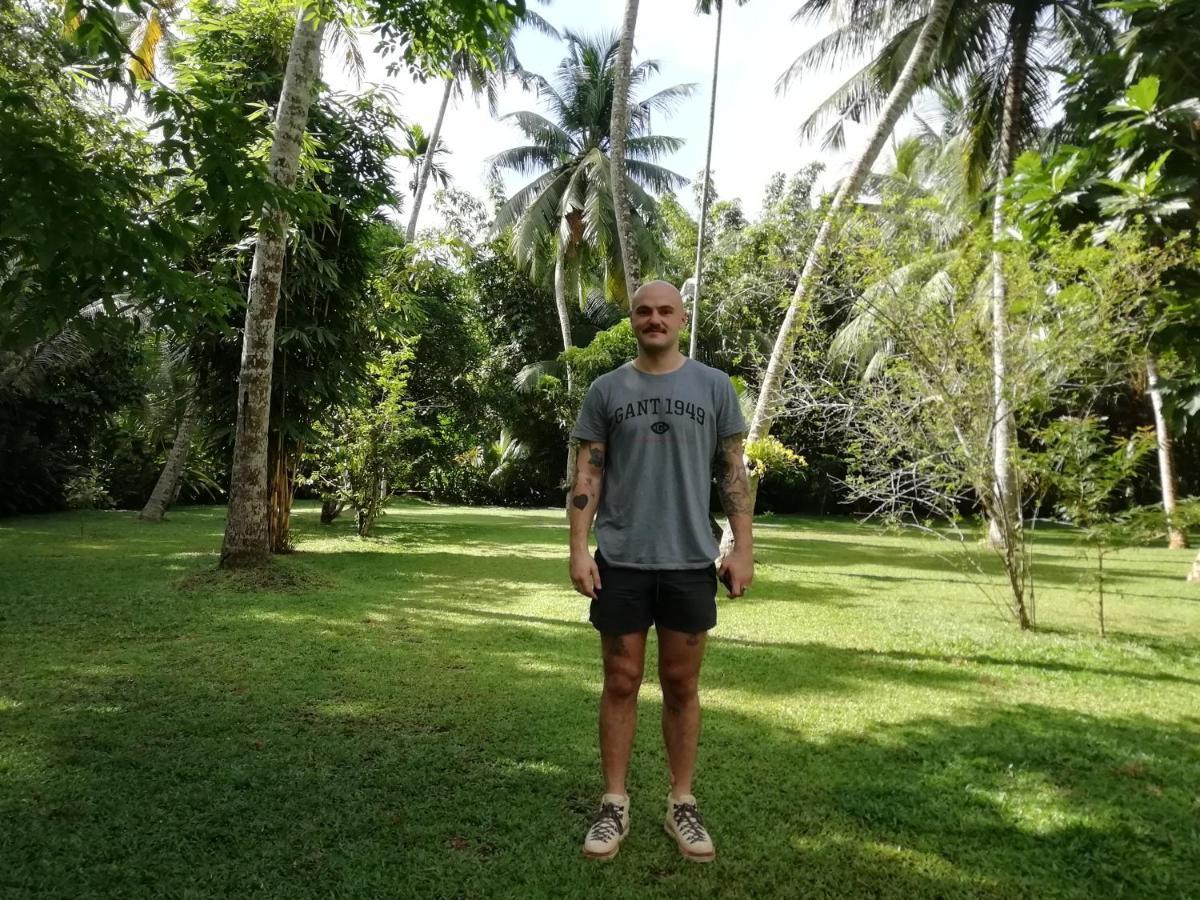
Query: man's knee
[(680, 680), (622, 677)]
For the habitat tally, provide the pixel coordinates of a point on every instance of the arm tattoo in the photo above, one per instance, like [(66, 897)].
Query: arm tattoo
[(584, 482), (734, 483)]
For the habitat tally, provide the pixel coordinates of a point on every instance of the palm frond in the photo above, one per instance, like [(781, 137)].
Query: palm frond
[(540, 217), (847, 41), (534, 22), (145, 42), (523, 160), (516, 205), (654, 176), (652, 146), (665, 101), (541, 131), (526, 381)]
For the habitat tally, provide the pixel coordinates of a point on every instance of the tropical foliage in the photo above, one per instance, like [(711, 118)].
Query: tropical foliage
[(451, 368)]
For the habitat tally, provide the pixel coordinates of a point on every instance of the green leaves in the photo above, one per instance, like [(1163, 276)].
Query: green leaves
[(567, 208), (424, 36), (1141, 97)]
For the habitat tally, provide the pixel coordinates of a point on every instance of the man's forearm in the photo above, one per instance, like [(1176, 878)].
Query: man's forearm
[(741, 526), (581, 509), (734, 489), (583, 496)]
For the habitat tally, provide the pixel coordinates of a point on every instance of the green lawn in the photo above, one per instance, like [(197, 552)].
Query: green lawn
[(416, 718)]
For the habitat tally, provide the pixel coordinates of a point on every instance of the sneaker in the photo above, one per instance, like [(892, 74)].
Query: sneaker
[(685, 824), (608, 828)]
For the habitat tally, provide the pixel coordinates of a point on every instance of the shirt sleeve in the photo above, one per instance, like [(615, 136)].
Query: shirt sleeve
[(592, 423), (729, 410)]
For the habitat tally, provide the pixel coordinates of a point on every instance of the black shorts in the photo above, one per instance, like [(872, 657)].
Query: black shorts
[(631, 600)]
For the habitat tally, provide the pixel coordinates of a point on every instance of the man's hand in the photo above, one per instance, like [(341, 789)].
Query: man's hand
[(585, 575), (740, 566)]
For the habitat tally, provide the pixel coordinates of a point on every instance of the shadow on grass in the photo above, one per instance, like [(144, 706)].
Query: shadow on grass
[(414, 748), (421, 730), (419, 747), (1065, 569)]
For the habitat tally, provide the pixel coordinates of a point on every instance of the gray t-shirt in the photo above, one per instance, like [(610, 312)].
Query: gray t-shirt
[(661, 433)]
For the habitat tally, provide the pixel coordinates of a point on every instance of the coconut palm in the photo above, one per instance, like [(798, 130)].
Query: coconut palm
[(918, 55), (927, 165), (706, 7), (467, 71), (619, 129), (566, 213), (1000, 54)]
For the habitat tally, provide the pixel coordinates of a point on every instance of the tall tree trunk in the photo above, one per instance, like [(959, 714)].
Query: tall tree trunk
[(1005, 524), (560, 301), (1176, 537), (1005, 527), (1194, 575), (247, 531), (770, 394), (167, 485), (564, 322), (619, 130), (427, 162), (712, 119)]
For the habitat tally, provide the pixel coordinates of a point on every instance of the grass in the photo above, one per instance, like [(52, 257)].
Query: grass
[(414, 716)]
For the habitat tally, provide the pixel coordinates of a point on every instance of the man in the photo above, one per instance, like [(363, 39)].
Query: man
[(647, 434)]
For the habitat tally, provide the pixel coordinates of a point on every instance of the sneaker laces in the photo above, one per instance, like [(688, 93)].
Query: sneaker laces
[(607, 823), (689, 822)]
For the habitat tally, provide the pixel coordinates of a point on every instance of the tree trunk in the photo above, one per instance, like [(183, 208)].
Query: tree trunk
[(280, 491), (167, 485), (619, 130), (427, 162), (560, 300), (770, 394), (1176, 537), (1005, 524), (331, 508), (1194, 575), (247, 531), (712, 119), (564, 322)]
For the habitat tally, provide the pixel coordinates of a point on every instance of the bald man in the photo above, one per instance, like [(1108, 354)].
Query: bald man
[(647, 436)]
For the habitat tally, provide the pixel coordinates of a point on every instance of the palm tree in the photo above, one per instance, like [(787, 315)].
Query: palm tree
[(566, 213), (147, 36), (919, 53), (173, 382), (926, 166), (247, 534), (1000, 54), (466, 69), (416, 150), (167, 485), (619, 129), (705, 7)]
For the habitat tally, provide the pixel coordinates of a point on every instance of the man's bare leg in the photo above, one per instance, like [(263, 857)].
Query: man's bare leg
[(624, 657), (679, 658)]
